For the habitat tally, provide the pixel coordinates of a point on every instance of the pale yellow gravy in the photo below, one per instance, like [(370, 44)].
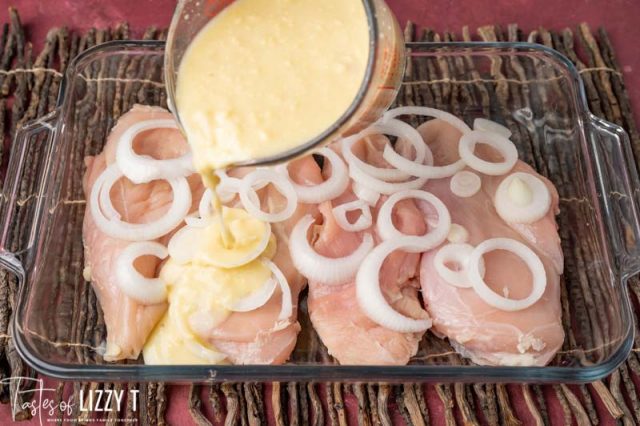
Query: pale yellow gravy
[(265, 76), (201, 295)]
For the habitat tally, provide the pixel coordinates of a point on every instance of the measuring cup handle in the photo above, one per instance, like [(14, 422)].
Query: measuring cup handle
[(619, 191), (35, 136)]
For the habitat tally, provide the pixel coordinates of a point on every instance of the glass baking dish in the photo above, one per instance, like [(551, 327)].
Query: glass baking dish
[(58, 329)]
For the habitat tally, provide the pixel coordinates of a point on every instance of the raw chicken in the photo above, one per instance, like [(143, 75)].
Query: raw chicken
[(477, 330), (128, 322), (349, 335), (253, 337)]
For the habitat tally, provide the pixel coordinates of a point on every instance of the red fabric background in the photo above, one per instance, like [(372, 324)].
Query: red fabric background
[(620, 17)]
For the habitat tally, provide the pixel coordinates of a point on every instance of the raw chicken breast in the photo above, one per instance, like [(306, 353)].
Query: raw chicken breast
[(349, 335), (477, 330), (128, 322), (253, 337)]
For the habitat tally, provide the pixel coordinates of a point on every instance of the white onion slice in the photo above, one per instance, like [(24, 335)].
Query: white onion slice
[(205, 206), (365, 194), (380, 186), (143, 168), (458, 234), (227, 190), (116, 228), (287, 302), (432, 238), (491, 126), (256, 299), (363, 222), (251, 202), (503, 145), (526, 254), (148, 291), (395, 128), (414, 168), (428, 112), (184, 247), (322, 269), (228, 187), (458, 254), (327, 190), (465, 184), (181, 247), (513, 212), (370, 297), (105, 196)]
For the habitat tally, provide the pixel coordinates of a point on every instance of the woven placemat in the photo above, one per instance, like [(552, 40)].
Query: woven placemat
[(29, 85)]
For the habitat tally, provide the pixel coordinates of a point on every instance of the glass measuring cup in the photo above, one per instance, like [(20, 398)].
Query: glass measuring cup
[(384, 72)]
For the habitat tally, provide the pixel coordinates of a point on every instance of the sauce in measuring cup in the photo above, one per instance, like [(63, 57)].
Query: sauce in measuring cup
[(265, 76), (264, 81), (257, 81)]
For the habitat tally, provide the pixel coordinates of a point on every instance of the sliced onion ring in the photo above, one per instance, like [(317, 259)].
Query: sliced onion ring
[(459, 254), (363, 222), (465, 184), (226, 189), (365, 194), (148, 291), (414, 168), (491, 126), (256, 299), (205, 206), (370, 297), (327, 190), (251, 202), (105, 196), (503, 145), (512, 212), (184, 248), (458, 234), (526, 254), (322, 269), (428, 112), (432, 238), (286, 311), (382, 187), (143, 168), (116, 228), (181, 251), (395, 128)]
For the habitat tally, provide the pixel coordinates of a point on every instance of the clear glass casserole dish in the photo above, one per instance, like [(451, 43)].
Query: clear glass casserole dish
[(58, 327)]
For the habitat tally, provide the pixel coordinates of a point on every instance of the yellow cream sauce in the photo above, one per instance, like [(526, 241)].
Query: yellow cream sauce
[(265, 76), (201, 295)]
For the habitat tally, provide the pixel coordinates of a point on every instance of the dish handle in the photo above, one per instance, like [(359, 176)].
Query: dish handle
[(21, 199), (619, 192)]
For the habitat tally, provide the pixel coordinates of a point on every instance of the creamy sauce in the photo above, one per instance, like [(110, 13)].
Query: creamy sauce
[(201, 296), (265, 76)]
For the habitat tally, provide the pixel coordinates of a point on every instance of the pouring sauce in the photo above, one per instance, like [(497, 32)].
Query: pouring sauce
[(261, 78)]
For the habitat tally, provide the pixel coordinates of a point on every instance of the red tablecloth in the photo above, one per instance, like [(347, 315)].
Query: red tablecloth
[(620, 17)]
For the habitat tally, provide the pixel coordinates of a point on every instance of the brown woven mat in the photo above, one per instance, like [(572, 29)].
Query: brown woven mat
[(29, 85)]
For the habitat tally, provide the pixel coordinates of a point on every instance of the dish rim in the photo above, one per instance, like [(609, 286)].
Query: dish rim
[(348, 373)]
